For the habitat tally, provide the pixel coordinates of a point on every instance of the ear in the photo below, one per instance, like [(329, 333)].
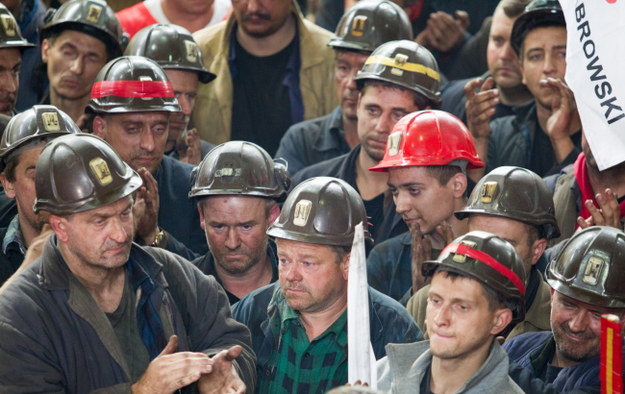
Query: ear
[(345, 266), (458, 184), (274, 212), (59, 225), (502, 318), (99, 127), (201, 212), (45, 47), (9, 190), (538, 248)]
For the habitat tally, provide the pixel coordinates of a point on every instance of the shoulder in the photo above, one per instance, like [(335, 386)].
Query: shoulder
[(254, 304), (519, 346), (325, 168), (390, 310), (318, 33), (131, 12), (207, 36)]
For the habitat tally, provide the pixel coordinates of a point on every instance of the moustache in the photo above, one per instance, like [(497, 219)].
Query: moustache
[(581, 335), (250, 15)]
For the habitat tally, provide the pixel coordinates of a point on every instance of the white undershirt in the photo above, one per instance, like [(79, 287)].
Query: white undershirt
[(221, 8)]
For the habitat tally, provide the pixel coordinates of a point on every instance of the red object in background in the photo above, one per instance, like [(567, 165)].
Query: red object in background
[(611, 367)]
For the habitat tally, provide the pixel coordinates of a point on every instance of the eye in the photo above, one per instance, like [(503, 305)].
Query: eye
[(394, 191), (415, 191), (373, 111), (160, 130), (398, 115)]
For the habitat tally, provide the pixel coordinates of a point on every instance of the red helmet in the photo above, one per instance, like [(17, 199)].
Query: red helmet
[(429, 138)]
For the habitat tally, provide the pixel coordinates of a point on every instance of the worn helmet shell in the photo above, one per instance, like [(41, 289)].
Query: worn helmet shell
[(172, 47), (514, 193), (93, 17), (80, 172), (321, 210), (590, 267), (240, 168), (10, 33), (369, 24), (538, 13), (404, 63), (31, 127), (488, 259), (428, 138), (132, 84)]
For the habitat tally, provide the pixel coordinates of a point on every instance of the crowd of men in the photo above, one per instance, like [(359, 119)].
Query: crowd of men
[(182, 186)]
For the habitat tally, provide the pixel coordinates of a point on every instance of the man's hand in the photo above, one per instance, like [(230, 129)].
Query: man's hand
[(608, 213), (564, 120), (224, 378), (421, 251), (145, 208), (170, 371), (189, 148), (480, 106), (444, 32)]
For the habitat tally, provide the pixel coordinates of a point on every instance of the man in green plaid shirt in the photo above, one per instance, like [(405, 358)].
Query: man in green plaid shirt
[(299, 324)]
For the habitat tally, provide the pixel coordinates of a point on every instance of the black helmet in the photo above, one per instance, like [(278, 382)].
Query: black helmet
[(321, 210), (93, 17), (538, 13), (369, 24), (132, 84), (591, 267), (404, 63), (40, 123), (172, 47), (514, 193), (10, 33), (491, 261), (80, 172), (240, 168)]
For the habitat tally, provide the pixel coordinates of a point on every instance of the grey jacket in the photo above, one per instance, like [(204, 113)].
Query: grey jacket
[(406, 364)]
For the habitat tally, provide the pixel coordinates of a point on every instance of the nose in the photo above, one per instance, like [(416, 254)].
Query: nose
[(185, 104), (232, 239), (290, 272), (9, 82), (579, 322), (77, 65), (549, 65), (351, 82), (385, 124), (147, 142), (118, 231), (401, 202), (253, 5), (441, 315)]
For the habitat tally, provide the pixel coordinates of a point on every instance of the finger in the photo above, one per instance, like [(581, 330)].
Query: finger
[(595, 213), (488, 84), (471, 86), (233, 352), (463, 18), (171, 347), (582, 223)]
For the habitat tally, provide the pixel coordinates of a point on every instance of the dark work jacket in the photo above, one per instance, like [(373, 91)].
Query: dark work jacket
[(313, 141), (533, 351), (206, 264), (8, 209), (177, 214), (512, 142), (11, 261), (389, 323), (344, 167)]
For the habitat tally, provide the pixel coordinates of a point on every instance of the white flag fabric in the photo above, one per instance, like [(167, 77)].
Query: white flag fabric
[(360, 359), (595, 57)]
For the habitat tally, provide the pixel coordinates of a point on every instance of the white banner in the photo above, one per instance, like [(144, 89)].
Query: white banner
[(595, 71)]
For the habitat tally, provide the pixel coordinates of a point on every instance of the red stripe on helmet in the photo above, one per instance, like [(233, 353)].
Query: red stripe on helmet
[(487, 259), (142, 89)]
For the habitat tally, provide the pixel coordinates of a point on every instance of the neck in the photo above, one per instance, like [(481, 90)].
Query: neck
[(271, 44), (28, 232), (241, 284), (106, 285), (444, 382), (370, 184), (516, 96), (192, 21), (613, 178), (350, 128), (316, 323), (75, 108), (458, 227)]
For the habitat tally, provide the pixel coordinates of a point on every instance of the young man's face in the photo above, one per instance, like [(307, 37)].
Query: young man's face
[(311, 278), (10, 63), (576, 328), (74, 59), (420, 198), (139, 138), (503, 63), (543, 56), (235, 228), (261, 18), (22, 188), (460, 322), (346, 66), (379, 108)]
